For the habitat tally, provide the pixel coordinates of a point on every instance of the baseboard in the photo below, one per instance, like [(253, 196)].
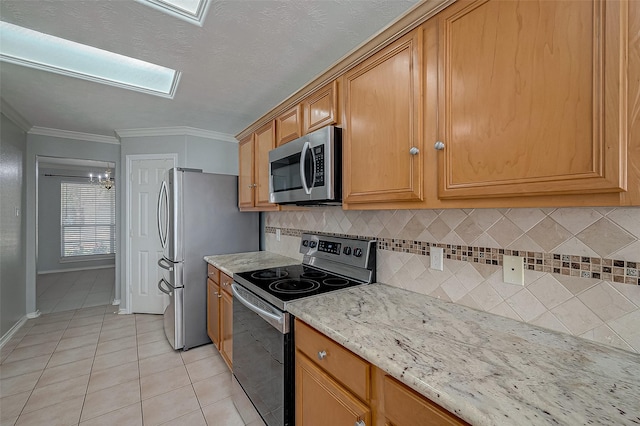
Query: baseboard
[(9, 334), (57, 271), (123, 311)]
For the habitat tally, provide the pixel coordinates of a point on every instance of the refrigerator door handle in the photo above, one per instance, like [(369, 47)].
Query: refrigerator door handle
[(161, 287), (163, 196), (164, 264)]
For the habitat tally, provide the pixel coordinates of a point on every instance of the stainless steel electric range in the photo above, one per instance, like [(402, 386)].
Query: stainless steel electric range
[(263, 347)]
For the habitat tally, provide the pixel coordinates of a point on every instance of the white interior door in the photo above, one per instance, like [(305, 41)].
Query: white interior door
[(145, 177)]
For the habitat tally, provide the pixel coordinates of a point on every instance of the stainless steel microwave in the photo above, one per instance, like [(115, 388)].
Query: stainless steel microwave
[(308, 170)]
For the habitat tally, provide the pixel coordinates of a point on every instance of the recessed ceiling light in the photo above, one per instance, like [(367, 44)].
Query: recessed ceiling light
[(41, 51), (192, 11)]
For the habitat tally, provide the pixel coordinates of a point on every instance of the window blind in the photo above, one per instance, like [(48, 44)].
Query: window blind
[(88, 216)]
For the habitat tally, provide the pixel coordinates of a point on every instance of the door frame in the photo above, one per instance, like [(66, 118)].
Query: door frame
[(127, 263)]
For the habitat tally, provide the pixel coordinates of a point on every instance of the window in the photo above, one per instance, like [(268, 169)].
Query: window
[(88, 219)]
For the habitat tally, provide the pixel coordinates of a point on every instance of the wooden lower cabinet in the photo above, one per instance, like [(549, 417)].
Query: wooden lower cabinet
[(226, 319), (320, 400), (220, 312), (405, 407), (213, 311), (336, 387)]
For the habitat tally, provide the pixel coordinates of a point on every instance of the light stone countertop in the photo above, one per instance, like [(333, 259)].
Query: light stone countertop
[(486, 369), (248, 261)]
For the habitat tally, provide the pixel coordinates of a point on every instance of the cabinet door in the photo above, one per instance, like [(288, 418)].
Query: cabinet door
[(264, 139), (383, 119), (322, 401), (213, 312), (245, 173), (320, 109), (289, 126), (404, 407), (530, 98), (226, 328)]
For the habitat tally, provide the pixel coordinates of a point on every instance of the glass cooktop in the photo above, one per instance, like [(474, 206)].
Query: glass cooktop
[(287, 283)]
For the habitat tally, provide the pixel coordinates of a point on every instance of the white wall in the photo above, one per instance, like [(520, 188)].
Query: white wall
[(13, 146)]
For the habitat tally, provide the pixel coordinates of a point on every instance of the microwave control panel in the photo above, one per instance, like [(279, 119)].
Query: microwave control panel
[(318, 153)]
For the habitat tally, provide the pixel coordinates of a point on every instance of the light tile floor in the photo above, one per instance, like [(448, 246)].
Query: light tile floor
[(64, 291), (91, 366)]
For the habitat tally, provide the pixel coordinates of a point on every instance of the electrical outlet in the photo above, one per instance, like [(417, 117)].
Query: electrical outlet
[(513, 269), (278, 234), (437, 258)]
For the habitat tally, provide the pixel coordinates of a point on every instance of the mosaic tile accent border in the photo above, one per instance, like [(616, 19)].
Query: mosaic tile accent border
[(618, 271)]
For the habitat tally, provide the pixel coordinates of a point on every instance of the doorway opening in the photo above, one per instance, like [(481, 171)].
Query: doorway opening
[(75, 234)]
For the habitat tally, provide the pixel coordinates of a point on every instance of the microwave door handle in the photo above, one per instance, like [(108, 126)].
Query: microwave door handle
[(305, 149)]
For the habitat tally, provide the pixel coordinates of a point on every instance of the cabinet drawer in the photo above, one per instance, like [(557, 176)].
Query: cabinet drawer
[(346, 367), (403, 406), (225, 283), (213, 273)]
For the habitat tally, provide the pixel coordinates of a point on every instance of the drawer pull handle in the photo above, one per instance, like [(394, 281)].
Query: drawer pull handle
[(322, 355)]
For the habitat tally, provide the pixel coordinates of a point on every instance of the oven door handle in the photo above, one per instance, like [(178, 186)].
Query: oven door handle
[(258, 310)]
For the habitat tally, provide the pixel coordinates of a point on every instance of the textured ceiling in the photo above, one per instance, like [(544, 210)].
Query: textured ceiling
[(247, 57)]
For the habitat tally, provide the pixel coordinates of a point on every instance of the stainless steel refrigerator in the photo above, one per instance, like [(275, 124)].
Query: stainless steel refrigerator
[(197, 216)]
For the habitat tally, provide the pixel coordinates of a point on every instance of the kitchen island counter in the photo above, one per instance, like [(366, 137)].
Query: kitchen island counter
[(248, 261), (487, 369)]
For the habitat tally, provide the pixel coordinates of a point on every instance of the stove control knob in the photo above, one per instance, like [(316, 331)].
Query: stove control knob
[(305, 243), (347, 251), (357, 252), (313, 244)]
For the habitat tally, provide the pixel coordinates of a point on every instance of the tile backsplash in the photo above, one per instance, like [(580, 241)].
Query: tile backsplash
[(581, 273)]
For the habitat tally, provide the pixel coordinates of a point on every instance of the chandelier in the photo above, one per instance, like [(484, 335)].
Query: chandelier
[(106, 181)]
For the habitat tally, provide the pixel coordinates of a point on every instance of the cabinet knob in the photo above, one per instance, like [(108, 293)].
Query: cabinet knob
[(322, 355), (439, 145), (219, 296), (414, 150), (360, 423)]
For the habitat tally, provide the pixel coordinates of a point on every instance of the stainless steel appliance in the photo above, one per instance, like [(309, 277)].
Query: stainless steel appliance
[(197, 216), (263, 347), (308, 170)]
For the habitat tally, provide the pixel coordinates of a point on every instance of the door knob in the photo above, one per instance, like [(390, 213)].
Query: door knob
[(439, 145)]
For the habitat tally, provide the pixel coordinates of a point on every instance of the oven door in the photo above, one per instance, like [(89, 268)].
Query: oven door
[(305, 170), (263, 357)]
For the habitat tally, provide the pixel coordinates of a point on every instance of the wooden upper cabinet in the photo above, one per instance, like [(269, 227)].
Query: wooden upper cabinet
[(289, 125), (531, 98), (253, 179), (321, 108), (264, 138), (245, 173), (383, 142)]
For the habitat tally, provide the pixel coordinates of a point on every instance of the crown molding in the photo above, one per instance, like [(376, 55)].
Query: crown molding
[(175, 131), (68, 134), (14, 116)]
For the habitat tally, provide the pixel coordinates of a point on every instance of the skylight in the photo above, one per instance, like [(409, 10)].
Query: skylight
[(192, 11), (33, 49)]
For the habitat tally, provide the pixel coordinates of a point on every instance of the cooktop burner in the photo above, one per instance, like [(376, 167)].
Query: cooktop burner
[(294, 286), (269, 274)]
